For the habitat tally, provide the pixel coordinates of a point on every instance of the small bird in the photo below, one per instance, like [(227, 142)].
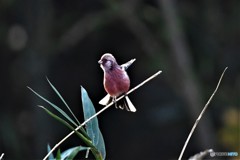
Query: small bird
[(116, 82)]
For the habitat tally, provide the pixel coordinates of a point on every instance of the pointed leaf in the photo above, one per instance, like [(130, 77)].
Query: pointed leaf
[(58, 157), (84, 137), (54, 106), (92, 126), (59, 95), (51, 157), (88, 109), (72, 152)]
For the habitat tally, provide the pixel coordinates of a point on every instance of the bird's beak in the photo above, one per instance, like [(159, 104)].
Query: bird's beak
[(100, 61)]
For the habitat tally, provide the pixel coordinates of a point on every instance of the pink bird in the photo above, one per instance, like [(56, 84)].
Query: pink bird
[(116, 82)]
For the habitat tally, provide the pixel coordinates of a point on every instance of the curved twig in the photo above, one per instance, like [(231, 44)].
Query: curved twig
[(200, 116)]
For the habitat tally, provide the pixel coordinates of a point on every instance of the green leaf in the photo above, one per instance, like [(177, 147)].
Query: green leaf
[(51, 157), (92, 127), (54, 106), (72, 152), (58, 157), (84, 137), (59, 95)]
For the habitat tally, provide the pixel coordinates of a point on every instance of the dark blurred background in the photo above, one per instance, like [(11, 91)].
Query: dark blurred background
[(190, 41)]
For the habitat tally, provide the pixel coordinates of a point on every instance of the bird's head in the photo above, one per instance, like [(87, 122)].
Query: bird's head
[(107, 62)]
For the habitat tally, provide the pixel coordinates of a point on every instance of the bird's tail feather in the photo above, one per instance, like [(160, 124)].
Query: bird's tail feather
[(124, 103), (128, 105)]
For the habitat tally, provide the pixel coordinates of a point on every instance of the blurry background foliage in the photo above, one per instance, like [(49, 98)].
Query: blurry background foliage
[(191, 41)]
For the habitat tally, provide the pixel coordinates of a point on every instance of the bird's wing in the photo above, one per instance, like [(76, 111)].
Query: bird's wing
[(127, 64)]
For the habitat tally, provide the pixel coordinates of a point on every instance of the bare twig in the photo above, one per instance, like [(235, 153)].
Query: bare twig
[(1, 156), (201, 155), (99, 112), (200, 116)]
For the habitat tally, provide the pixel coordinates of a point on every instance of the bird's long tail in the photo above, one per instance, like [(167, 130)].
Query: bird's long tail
[(127, 104), (124, 103)]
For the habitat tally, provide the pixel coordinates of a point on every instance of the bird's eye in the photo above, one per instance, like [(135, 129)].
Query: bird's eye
[(108, 63)]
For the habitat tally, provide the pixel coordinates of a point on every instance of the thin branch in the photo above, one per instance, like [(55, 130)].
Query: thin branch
[(200, 116), (1, 157), (99, 112), (201, 155)]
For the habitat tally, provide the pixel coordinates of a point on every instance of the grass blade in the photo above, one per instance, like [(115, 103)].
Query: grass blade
[(59, 95), (84, 137), (51, 157), (72, 152), (58, 157), (54, 106)]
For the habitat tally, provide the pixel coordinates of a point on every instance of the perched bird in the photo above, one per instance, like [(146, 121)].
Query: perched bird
[(116, 82)]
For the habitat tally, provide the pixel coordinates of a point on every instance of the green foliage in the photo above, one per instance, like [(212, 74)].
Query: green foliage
[(92, 127), (69, 154), (92, 136), (72, 152), (51, 155), (55, 107), (59, 95), (58, 157)]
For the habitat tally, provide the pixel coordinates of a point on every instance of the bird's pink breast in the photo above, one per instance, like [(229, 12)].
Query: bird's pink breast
[(116, 82)]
